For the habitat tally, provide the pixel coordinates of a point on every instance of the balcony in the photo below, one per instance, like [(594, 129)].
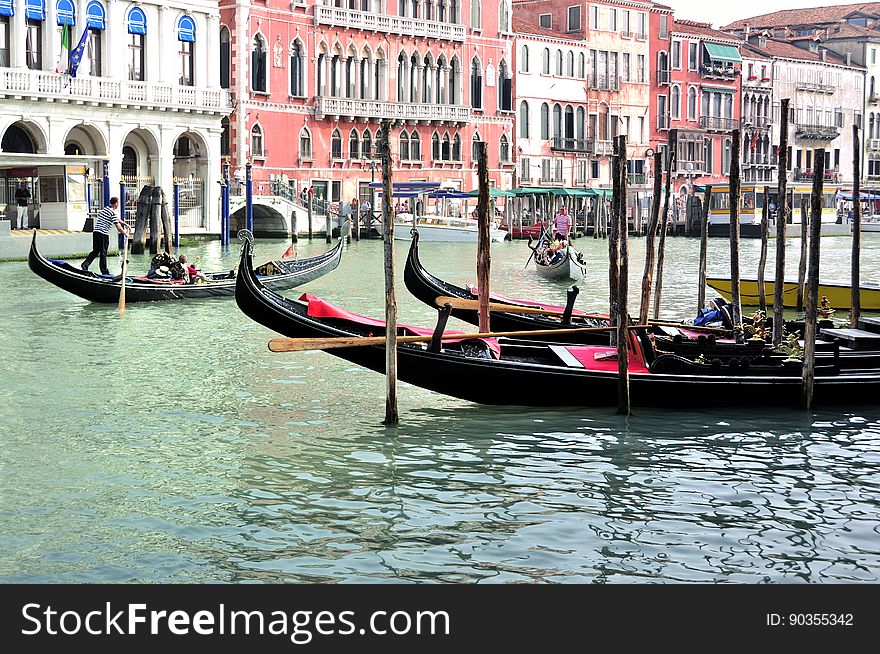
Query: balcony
[(719, 72), (695, 170), (600, 147), (44, 85), (816, 87), (636, 179), (817, 132), (604, 82), (873, 144), (757, 122), (664, 77), (371, 22), (716, 124), (798, 175), (559, 144), (377, 110)]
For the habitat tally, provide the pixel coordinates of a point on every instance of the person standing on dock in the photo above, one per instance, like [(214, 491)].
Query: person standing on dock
[(562, 224), (101, 235), (22, 197)]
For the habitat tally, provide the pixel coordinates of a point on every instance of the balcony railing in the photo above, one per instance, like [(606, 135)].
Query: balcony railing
[(600, 147), (571, 144), (378, 109), (719, 72), (111, 91), (757, 122), (818, 87), (681, 168), (604, 82), (717, 124), (663, 121), (799, 175), (636, 178), (388, 24), (664, 77), (817, 132)]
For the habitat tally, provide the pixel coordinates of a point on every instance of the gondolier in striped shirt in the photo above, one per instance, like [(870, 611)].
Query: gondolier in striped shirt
[(562, 223), (106, 218)]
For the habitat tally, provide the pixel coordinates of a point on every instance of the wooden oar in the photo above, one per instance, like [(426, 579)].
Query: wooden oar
[(461, 303), (303, 344), (124, 271), (535, 249)]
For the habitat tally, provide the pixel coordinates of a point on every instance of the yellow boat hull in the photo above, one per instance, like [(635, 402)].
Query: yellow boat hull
[(838, 294)]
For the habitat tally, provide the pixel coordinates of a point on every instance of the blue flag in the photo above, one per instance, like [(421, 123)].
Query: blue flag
[(76, 54)]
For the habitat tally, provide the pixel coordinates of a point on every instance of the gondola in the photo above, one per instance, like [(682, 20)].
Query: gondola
[(504, 371), (281, 275), (428, 288), (568, 268)]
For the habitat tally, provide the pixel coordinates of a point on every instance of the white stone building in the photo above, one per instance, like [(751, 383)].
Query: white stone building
[(146, 99)]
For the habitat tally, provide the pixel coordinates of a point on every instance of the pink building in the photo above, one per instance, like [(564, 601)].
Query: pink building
[(312, 80), (696, 102)]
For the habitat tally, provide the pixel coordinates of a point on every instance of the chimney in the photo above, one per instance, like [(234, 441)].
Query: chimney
[(823, 52), (849, 58), (746, 31)]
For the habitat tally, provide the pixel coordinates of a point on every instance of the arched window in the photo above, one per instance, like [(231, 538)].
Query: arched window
[(504, 17), (305, 144), (336, 144), (137, 35), (225, 137), (524, 120), (872, 85), (435, 146), (404, 146), (453, 12), (415, 146), (350, 71), (456, 147), (476, 14), (186, 39), (728, 105), (580, 122), (582, 66), (225, 54), (557, 121), (545, 121), (475, 153), (130, 161), (675, 102), (446, 148), (476, 84), (504, 148), (401, 77), (440, 74), (505, 87), (297, 68), (692, 103), (524, 58), (354, 145), (545, 61), (568, 125), (414, 65), (95, 24), (725, 157), (257, 142), (258, 65), (366, 145), (559, 62), (454, 81), (427, 90), (570, 64)]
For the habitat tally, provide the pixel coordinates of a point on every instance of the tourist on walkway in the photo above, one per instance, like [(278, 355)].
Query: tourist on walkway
[(22, 197), (101, 235), (562, 223)]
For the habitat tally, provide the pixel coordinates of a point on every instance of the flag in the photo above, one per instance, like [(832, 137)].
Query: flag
[(77, 54), (754, 140), (289, 252), (64, 57)]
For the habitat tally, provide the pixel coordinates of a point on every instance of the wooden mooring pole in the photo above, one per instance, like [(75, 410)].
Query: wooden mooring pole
[(391, 416), (734, 229), (704, 246), (782, 209), (802, 264), (762, 261), (812, 300), (650, 235), (483, 222), (613, 243), (622, 220), (855, 281), (664, 227)]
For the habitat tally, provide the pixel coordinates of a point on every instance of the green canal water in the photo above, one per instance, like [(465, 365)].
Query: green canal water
[(168, 445)]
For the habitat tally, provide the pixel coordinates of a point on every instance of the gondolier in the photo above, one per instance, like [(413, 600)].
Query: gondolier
[(106, 218), (562, 223)]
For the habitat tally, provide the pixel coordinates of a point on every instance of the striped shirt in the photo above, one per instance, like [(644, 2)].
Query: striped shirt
[(106, 218), (563, 224)]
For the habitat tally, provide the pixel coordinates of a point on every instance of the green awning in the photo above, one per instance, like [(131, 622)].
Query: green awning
[(571, 192), (531, 190), (493, 193), (718, 52)]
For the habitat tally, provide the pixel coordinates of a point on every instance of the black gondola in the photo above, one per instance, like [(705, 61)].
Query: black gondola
[(99, 288), (428, 288), (505, 372)]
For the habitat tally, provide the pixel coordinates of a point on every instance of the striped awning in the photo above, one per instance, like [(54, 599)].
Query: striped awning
[(65, 12), (7, 8), (35, 10), (718, 52)]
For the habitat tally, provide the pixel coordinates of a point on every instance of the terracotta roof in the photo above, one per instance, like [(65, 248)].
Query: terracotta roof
[(847, 31), (525, 28), (700, 29), (806, 16), (777, 48)]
